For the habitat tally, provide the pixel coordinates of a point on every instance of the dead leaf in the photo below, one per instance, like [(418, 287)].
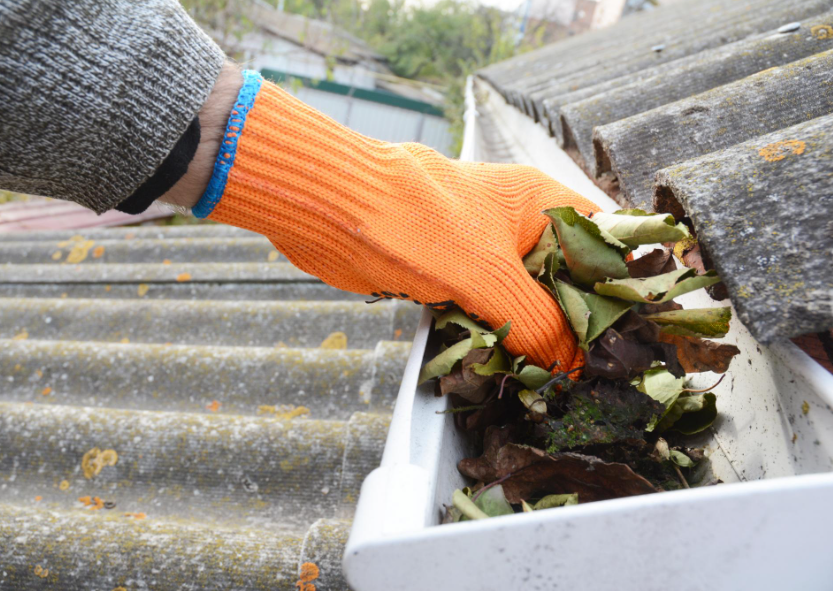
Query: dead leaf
[(697, 355), (656, 262), (484, 467), (531, 473), (465, 382)]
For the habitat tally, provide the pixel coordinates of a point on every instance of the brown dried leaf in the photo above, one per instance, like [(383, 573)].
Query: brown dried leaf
[(698, 355), (484, 468), (614, 357), (656, 262), (465, 382), (533, 473)]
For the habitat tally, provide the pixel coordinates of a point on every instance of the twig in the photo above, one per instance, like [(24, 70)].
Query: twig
[(680, 474), (553, 365), (461, 409), (502, 384), (706, 389), (488, 486), (557, 378)]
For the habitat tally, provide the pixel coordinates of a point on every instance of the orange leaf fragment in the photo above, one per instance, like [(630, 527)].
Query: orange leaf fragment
[(214, 406), (46, 391), (98, 251)]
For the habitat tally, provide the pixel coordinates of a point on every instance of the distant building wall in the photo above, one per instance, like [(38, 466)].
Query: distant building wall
[(269, 52), (607, 13), (374, 113)]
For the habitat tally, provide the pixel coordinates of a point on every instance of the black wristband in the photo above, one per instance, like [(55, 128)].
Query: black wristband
[(169, 172)]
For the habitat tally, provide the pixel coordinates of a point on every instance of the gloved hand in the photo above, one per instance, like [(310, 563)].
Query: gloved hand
[(392, 220)]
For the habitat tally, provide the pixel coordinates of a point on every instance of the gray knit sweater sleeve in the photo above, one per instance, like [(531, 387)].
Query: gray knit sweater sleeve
[(94, 94)]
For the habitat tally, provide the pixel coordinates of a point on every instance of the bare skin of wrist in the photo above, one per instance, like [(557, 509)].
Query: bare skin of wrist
[(214, 116)]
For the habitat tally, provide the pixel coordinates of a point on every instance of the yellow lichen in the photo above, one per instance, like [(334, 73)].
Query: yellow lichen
[(95, 460), (64, 485), (21, 336), (125, 341), (107, 288), (822, 31), (309, 572), (166, 262), (335, 340), (143, 289), (284, 411), (56, 256), (41, 572), (805, 407), (79, 252), (273, 256), (183, 277), (779, 150)]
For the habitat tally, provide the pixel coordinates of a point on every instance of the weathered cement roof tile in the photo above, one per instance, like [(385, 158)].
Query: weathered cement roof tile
[(762, 210), (168, 425), (636, 147), (677, 89), (655, 87), (700, 32)]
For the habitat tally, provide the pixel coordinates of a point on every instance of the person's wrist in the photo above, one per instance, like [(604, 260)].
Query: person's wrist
[(213, 118)]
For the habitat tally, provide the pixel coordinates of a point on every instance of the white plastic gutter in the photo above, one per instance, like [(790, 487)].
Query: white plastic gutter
[(769, 527)]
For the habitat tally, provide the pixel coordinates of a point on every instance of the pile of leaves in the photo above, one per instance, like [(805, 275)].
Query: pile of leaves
[(615, 426)]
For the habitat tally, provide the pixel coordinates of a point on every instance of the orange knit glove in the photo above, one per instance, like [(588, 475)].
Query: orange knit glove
[(392, 220)]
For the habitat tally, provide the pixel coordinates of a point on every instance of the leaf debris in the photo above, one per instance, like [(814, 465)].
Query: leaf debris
[(619, 430)]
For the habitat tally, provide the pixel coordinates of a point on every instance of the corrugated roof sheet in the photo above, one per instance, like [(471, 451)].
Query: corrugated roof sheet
[(240, 441), (698, 95)]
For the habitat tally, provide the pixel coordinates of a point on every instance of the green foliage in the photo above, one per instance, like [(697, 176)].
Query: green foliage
[(440, 43)]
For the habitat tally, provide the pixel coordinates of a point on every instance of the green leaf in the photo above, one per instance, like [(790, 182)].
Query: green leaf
[(696, 322), (699, 413), (516, 363), (534, 377), (634, 227), (590, 254), (575, 307), (466, 506), (663, 387), (658, 289), (459, 318), (548, 270), (442, 364), (548, 243), (493, 502), (533, 401), (502, 332), (498, 363), (589, 314), (682, 460), (552, 501)]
